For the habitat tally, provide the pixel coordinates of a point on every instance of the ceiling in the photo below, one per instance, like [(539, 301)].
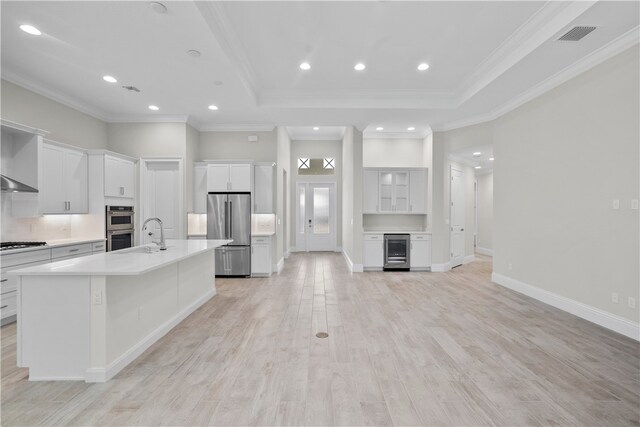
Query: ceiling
[(485, 58), (481, 163)]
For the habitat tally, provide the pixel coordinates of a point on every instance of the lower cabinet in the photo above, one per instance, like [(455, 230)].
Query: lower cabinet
[(420, 256), (373, 251), (261, 256)]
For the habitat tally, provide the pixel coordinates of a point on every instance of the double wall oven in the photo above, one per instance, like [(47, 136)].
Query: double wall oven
[(119, 228), (397, 251)]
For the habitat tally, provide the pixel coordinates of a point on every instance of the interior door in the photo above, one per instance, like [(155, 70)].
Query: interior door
[(320, 220), (161, 191), (457, 217)]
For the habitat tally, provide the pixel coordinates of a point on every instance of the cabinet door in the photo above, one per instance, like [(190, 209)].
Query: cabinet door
[(112, 179), (370, 191), (240, 177), (401, 191), (263, 189), (52, 191), (200, 189), (260, 259), (418, 192), (373, 253), (76, 176), (128, 178), (217, 178), (386, 192)]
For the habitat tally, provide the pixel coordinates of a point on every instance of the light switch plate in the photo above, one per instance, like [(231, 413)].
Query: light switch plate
[(616, 204), (634, 204)]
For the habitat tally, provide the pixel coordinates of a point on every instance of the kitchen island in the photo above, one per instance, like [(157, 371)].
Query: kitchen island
[(87, 318)]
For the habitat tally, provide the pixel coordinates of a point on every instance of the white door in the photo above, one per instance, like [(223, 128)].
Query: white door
[(401, 191), (418, 191), (217, 178), (52, 190), (263, 189), (75, 171), (457, 217), (128, 180), (239, 177), (161, 198), (316, 223)]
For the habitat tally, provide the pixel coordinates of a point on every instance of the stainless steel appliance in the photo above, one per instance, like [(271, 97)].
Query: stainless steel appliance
[(229, 217), (119, 227), (10, 185), (397, 251)]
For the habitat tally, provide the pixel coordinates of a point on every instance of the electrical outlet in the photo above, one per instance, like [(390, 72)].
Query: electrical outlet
[(632, 302), (510, 266), (614, 297), (96, 298), (616, 204)]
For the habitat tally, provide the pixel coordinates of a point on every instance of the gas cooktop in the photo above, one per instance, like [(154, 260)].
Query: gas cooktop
[(4, 246)]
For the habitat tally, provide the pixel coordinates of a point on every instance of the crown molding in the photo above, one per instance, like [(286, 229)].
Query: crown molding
[(598, 56), (142, 118), (396, 135), (462, 160), (236, 128), (47, 93), (539, 28), (23, 128), (225, 35)]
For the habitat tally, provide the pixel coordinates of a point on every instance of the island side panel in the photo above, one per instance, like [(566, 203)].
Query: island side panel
[(98, 359), (196, 281), (55, 326)]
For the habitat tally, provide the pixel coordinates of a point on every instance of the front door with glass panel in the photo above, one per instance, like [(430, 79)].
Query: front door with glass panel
[(316, 222)]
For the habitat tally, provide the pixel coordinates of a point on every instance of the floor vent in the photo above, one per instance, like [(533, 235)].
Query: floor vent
[(576, 33)]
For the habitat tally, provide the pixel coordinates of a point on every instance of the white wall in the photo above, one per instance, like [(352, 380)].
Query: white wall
[(561, 160), (316, 150), (352, 159), (148, 139), (234, 146), (283, 199), (65, 124), (191, 155), (484, 212), (388, 153)]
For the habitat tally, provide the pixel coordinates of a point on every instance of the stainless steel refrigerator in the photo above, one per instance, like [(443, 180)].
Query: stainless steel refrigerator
[(229, 217)]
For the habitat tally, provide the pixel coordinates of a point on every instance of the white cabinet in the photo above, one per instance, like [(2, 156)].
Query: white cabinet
[(370, 191), (8, 284), (200, 189), (228, 177), (261, 256), (263, 189), (373, 251), (418, 191), (394, 191), (64, 180), (420, 255), (119, 177)]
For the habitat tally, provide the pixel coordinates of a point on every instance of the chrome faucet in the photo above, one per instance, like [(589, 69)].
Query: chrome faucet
[(163, 246)]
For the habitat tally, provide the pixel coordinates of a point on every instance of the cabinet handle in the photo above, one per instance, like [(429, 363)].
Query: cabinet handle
[(4, 306), (74, 250), (3, 280), (69, 203)]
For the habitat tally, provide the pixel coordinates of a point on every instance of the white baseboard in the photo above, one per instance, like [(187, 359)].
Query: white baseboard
[(355, 268), (469, 258), (279, 266), (440, 268), (484, 251), (595, 315), (99, 375)]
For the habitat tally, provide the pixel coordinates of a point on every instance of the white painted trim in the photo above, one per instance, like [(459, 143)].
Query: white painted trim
[(354, 268), (595, 315), (462, 160), (374, 134), (484, 251), (280, 265), (24, 128), (441, 268), (96, 375), (468, 259), (236, 128), (143, 118)]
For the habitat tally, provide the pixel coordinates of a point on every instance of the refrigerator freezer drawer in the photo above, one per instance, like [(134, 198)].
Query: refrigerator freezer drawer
[(233, 261)]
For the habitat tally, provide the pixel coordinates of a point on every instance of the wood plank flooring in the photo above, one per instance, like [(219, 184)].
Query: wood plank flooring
[(403, 349)]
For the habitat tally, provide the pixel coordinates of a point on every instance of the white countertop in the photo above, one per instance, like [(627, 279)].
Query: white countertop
[(125, 262), (53, 244), (395, 232)]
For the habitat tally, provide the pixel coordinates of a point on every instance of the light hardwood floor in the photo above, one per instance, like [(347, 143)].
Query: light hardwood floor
[(403, 348)]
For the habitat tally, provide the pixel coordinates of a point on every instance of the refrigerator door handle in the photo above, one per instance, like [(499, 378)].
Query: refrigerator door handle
[(230, 220), (226, 220)]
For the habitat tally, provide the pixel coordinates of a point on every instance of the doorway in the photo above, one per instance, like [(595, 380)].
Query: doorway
[(457, 217), (316, 216), (161, 196)]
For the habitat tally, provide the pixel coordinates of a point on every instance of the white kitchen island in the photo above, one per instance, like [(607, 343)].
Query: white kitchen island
[(87, 318)]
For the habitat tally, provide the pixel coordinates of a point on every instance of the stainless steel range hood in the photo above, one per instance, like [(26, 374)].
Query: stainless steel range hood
[(9, 185)]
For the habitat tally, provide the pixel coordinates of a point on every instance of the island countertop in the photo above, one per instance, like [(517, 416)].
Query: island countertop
[(124, 262)]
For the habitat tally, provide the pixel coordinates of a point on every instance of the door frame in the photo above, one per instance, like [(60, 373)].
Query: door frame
[(144, 161), (451, 263), (334, 213)]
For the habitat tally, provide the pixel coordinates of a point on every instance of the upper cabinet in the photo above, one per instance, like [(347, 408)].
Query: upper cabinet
[(390, 191), (119, 177), (200, 189), (63, 188), (263, 189), (229, 177)]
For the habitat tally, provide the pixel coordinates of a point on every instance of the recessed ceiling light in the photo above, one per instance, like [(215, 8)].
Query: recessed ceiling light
[(194, 53), (158, 7), (491, 158), (411, 128), (476, 154), (478, 167), (213, 107), (109, 79), (380, 128), (316, 128), (423, 67), (359, 66), (305, 66), (30, 29), (153, 107)]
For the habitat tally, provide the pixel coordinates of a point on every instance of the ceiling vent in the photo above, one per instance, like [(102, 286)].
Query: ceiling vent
[(576, 33), (131, 88)]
